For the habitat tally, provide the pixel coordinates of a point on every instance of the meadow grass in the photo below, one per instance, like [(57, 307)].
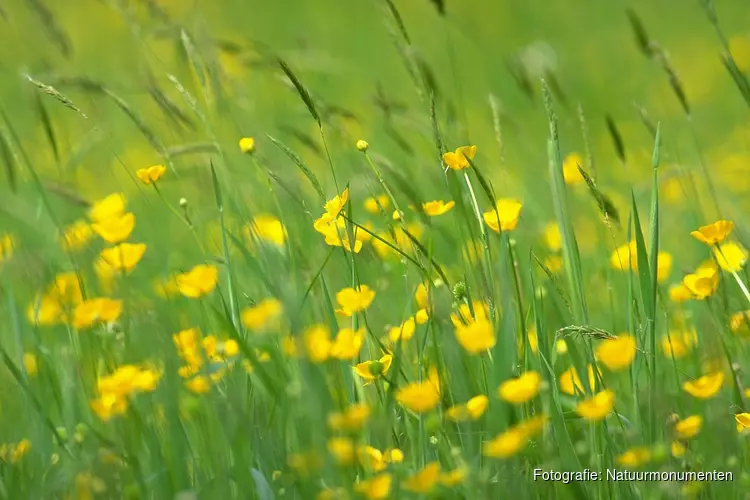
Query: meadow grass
[(383, 259)]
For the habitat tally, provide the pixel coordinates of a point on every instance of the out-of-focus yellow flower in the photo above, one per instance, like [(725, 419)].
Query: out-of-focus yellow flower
[(423, 481), (663, 266), (678, 343), (731, 256), (739, 323), (679, 293), (263, 315), (437, 207), (337, 234), (422, 316), (404, 331), (689, 427), (353, 300), (374, 204), (7, 245), (677, 449), (342, 450), (504, 216), (703, 283), (124, 256), (616, 354), (199, 384), (318, 343), (739, 47), (352, 419), (506, 444), (634, 457), (371, 370), (464, 316), (13, 453), (459, 159), (473, 409), (454, 477), (115, 389), (362, 145), (571, 174), (714, 233), (335, 205), (706, 386), (348, 343), (96, 310), (597, 407), (375, 488), (247, 145), (30, 364), (74, 236), (199, 281), (476, 337), (521, 389), (625, 257), (115, 229), (268, 228), (743, 421), (110, 207), (570, 381), (419, 397), (150, 175), (552, 236)]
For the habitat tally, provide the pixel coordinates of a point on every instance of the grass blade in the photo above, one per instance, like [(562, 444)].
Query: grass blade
[(302, 166), (301, 90)]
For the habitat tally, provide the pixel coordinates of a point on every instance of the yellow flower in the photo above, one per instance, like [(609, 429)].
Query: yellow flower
[(743, 421), (151, 174), (45, 311), (731, 256), (703, 283), (419, 397), (115, 229), (739, 47), (348, 343), (689, 427), (124, 256), (521, 389), (247, 145), (634, 457), (422, 316), (552, 236), (6, 247), (706, 386), (370, 370), (616, 354), (504, 216), (679, 293), (318, 343), (362, 145), (376, 488), (268, 228), (677, 449), (404, 331), (424, 480), (373, 204), (506, 444), (30, 364), (92, 311), (75, 236), (262, 315), (625, 257), (739, 322), (354, 300), (678, 343), (336, 233), (476, 337), (713, 233), (570, 381), (342, 450), (459, 159), (598, 406), (455, 477), (473, 409), (554, 263), (353, 418), (197, 282), (571, 174), (111, 207), (437, 207), (13, 453), (109, 405), (336, 204), (663, 266), (200, 384)]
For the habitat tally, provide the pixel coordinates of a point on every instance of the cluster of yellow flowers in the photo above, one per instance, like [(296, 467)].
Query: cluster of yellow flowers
[(114, 390), (14, 452), (206, 359)]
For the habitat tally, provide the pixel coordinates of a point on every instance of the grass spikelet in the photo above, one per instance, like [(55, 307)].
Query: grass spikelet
[(301, 165), (53, 92), (51, 27), (301, 91), (603, 202), (616, 137)]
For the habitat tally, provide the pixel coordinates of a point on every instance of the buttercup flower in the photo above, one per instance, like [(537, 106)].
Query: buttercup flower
[(371, 370), (374, 204), (706, 386), (703, 283), (376, 488), (689, 427), (424, 480), (437, 207), (262, 315), (552, 236), (420, 397), (473, 409), (75, 236), (504, 216), (115, 229), (571, 174), (598, 406), (362, 145), (616, 354), (247, 145), (522, 389), (404, 331), (570, 382), (714, 233), (459, 159), (268, 228), (731, 256), (96, 310), (111, 207), (679, 343), (354, 300), (151, 174), (635, 457), (124, 256), (197, 282)]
